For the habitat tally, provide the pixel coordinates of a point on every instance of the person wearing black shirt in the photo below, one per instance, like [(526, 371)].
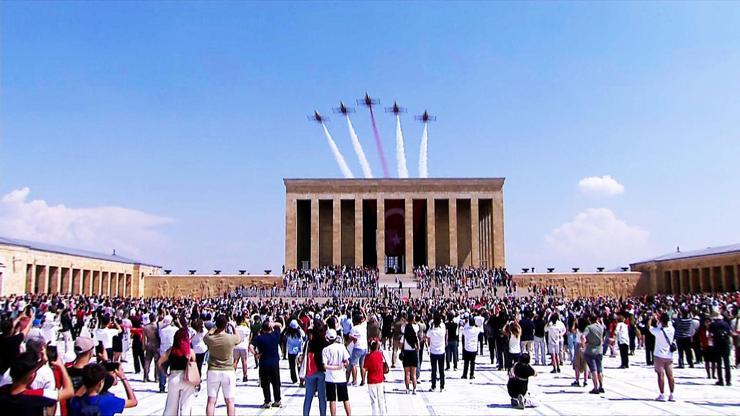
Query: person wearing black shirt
[(540, 348), (519, 382), (502, 340), (453, 342), (527, 339), (492, 336), (721, 332), (644, 327)]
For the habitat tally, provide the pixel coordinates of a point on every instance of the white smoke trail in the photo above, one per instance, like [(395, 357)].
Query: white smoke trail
[(403, 171), (358, 149), (337, 155), (423, 171)]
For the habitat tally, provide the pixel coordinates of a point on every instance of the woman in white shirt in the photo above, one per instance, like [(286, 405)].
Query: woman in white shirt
[(555, 332), (470, 347), (198, 332), (437, 341), (514, 350)]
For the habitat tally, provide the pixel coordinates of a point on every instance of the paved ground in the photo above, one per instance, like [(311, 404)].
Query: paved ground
[(628, 392)]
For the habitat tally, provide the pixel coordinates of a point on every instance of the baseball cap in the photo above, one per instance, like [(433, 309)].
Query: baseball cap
[(83, 345), (167, 320), (331, 334), (294, 324)]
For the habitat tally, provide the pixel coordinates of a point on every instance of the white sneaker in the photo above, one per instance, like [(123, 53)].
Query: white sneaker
[(660, 398), (671, 398)]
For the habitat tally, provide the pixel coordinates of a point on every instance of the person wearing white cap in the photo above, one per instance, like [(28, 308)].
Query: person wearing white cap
[(336, 359), (166, 339), (295, 337)]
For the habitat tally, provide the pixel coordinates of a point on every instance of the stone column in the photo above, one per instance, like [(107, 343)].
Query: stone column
[(54, 280), (498, 230), (42, 279), (290, 233), (314, 233), (336, 232), (359, 260), (453, 231), (474, 232), (431, 234), (408, 223), (380, 236)]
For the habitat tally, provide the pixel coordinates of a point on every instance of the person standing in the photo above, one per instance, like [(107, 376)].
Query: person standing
[(166, 339), (593, 339), (375, 378), (221, 373), (151, 347), (315, 372), (684, 333), (664, 334), (358, 338), (267, 345), (470, 348), (437, 339), (336, 359), (241, 350), (622, 334), (721, 333), (199, 347), (180, 392), (527, 339), (555, 332), (411, 353), (453, 342), (137, 343), (540, 348), (294, 343)]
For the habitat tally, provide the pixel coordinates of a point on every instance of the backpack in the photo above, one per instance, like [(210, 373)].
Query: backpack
[(89, 409)]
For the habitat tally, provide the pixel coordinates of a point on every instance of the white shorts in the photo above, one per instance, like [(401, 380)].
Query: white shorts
[(225, 380)]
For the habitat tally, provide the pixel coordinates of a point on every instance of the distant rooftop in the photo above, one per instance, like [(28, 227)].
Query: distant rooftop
[(51, 248), (709, 251)]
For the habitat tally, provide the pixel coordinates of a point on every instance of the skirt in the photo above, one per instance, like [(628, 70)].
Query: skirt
[(410, 359)]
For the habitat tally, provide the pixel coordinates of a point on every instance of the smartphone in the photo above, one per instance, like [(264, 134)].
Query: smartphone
[(109, 366)]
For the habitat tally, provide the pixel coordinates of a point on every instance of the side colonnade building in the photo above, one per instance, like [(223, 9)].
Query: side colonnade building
[(32, 267), (714, 269), (394, 224)]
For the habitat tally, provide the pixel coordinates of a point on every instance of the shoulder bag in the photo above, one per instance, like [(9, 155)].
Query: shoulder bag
[(673, 346)]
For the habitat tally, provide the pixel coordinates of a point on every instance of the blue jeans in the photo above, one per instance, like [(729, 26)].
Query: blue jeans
[(438, 365), (314, 383), (163, 376)]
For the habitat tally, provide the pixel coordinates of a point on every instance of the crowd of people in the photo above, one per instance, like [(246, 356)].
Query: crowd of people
[(66, 351), (330, 281), (449, 280)]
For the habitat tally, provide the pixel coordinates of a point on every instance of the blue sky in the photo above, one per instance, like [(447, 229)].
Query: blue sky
[(164, 129)]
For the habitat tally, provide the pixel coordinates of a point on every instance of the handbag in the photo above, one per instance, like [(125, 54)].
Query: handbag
[(192, 376), (673, 347), (386, 369), (304, 363)]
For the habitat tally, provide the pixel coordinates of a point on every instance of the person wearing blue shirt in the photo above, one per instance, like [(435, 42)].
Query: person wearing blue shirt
[(95, 402), (294, 340), (265, 347)]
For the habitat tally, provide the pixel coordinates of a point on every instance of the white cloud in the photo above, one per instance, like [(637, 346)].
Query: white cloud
[(596, 237), (601, 185), (102, 229)]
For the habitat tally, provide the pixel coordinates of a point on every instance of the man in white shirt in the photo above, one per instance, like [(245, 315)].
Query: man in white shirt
[(166, 339), (437, 340), (336, 358), (664, 334), (623, 341), (470, 347), (555, 332)]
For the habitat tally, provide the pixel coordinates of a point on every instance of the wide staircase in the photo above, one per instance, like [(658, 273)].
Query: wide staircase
[(408, 281)]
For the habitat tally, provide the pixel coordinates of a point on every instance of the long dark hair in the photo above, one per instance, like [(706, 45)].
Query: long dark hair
[(317, 343), (409, 334)]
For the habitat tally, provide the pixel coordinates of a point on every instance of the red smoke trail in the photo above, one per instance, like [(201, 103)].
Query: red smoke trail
[(378, 143)]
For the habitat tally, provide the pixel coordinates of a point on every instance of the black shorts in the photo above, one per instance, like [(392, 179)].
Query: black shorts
[(336, 392), (410, 359)]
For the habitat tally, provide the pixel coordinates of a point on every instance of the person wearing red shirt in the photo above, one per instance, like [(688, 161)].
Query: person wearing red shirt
[(375, 377)]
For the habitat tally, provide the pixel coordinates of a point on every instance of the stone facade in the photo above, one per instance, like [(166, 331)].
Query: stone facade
[(204, 286), (442, 221), (614, 284), (24, 269), (693, 272)]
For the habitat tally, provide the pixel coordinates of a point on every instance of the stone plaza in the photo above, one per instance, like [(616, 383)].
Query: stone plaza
[(628, 392)]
